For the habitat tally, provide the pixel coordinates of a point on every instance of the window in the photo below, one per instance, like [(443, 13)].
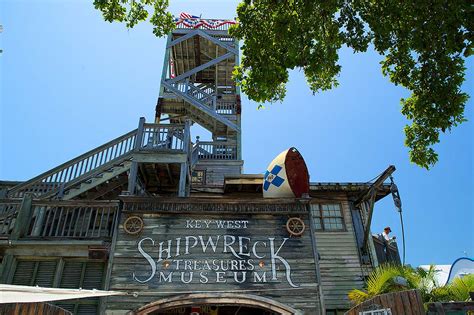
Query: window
[(199, 177), (72, 273), (328, 217)]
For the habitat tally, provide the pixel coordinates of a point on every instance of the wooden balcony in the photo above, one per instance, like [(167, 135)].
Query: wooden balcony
[(39, 219), (386, 252)]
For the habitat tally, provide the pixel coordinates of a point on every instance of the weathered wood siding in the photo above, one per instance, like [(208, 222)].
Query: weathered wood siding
[(162, 226), (217, 170), (399, 303), (32, 308), (339, 260)]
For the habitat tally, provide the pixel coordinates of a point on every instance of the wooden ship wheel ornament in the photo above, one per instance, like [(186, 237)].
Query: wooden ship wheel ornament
[(295, 226), (133, 225)]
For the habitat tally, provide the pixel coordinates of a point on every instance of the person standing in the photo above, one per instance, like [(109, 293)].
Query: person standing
[(386, 235)]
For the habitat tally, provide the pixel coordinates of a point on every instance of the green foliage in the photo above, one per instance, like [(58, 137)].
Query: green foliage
[(460, 288), (134, 11), (383, 279), (424, 44)]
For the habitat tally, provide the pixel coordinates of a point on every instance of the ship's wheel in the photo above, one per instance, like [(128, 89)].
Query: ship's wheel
[(295, 226), (133, 225)]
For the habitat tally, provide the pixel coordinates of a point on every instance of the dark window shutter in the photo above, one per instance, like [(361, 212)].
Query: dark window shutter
[(72, 273), (45, 273), (87, 309), (24, 272), (93, 276)]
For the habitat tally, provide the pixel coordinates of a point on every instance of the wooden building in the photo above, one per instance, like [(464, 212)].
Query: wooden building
[(173, 223)]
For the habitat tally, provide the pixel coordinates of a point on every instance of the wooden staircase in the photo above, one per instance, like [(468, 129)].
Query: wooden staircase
[(197, 85), (107, 162)]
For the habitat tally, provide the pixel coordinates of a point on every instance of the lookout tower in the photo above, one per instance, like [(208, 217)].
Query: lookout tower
[(197, 88), (160, 159)]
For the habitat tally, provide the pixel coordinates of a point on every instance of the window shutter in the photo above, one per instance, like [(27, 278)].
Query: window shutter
[(45, 273), (87, 309), (72, 273), (24, 273), (93, 276)]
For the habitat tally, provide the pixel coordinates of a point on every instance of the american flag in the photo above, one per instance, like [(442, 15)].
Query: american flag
[(185, 16), (194, 21)]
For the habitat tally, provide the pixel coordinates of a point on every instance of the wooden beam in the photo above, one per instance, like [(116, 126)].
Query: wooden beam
[(370, 196), (182, 38), (159, 157), (200, 68), (218, 42)]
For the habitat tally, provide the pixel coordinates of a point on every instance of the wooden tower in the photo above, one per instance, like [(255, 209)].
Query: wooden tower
[(159, 159), (197, 87)]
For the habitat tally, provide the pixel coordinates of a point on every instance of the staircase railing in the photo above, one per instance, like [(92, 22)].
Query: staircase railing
[(59, 176), (153, 137), (163, 137), (180, 89), (214, 150), (8, 215)]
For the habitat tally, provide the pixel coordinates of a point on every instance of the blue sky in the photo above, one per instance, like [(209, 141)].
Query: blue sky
[(70, 82)]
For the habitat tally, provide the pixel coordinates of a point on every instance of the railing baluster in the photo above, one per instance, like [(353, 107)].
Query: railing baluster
[(76, 215), (83, 221), (45, 222), (89, 221), (51, 227), (59, 221), (95, 221)]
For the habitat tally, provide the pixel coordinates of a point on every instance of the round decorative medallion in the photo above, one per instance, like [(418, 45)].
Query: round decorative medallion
[(133, 225), (295, 226)]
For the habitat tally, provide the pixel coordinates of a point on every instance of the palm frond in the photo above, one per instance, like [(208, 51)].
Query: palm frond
[(460, 287), (358, 296)]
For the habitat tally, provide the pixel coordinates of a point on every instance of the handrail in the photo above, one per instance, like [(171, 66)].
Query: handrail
[(216, 150), (72, 169)]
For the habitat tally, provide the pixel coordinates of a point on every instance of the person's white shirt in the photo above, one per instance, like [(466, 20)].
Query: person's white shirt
[(387, 238)]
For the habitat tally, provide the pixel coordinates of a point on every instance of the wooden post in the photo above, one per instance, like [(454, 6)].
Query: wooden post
[(132, 176), (312, 230), (39, 213), (166, 65), (370, 195), (139, 137), (22, 219), (184, 166)]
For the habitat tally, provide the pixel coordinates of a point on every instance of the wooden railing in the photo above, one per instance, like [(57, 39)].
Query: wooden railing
[(163, 137), (146, 137), (216, 150), (8, 213), (68, 172), (226, 108), (224, 27), (72, 219), (386, 252), (402, 302)]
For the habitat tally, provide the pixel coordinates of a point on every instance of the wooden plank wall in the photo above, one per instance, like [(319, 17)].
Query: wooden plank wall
[(162, 227), (339, 260), (32, 308), (217, 170), (400, 303)]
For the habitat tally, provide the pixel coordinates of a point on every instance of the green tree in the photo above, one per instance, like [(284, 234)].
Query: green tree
[(424, 45), (132, 12)]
